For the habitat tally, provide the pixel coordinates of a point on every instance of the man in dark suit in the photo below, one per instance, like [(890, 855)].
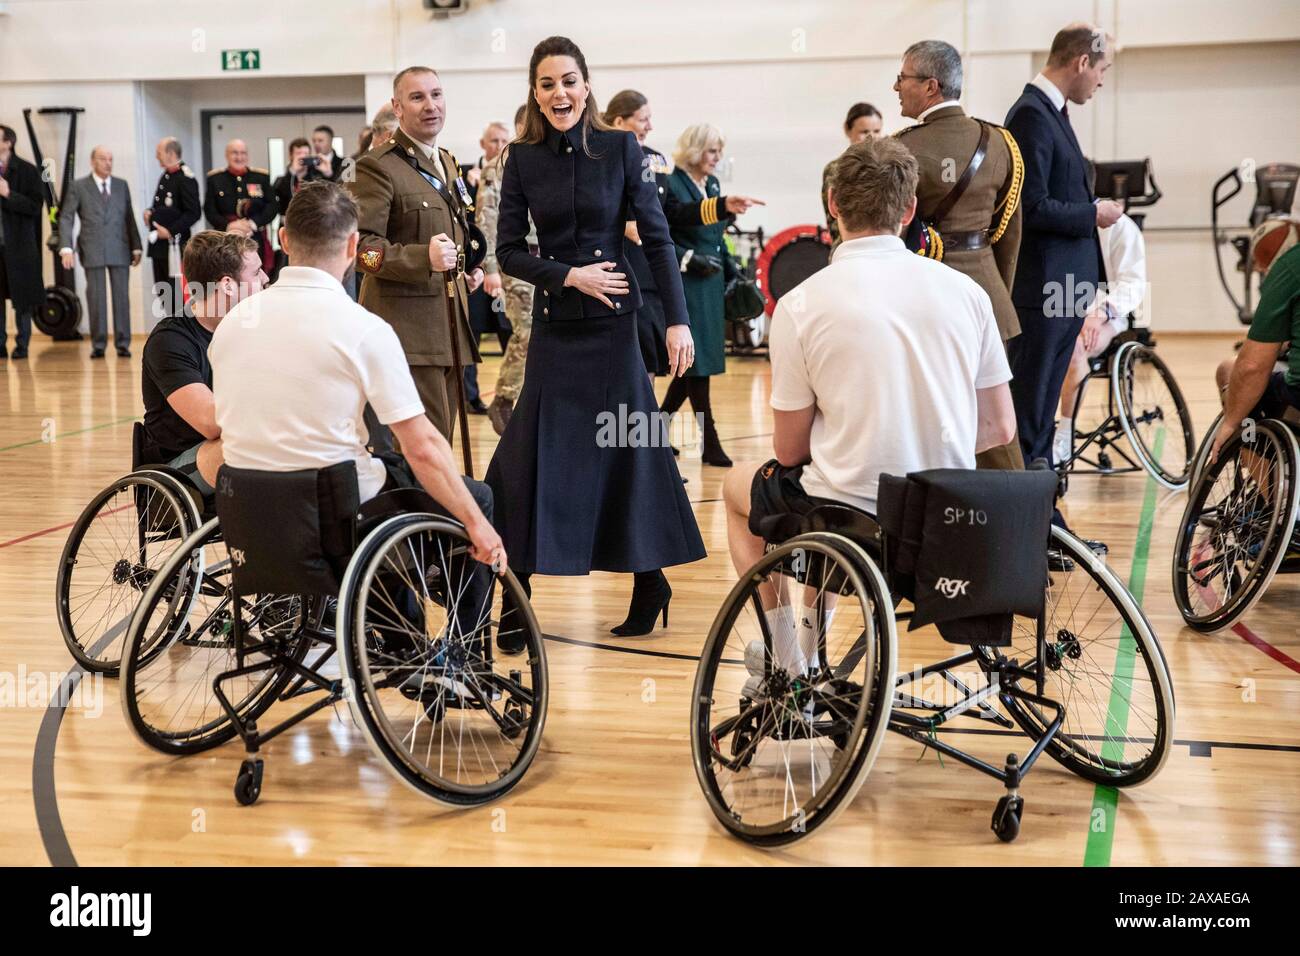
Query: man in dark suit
[(175, 210), (328, 163), (108, 244), (1059, 265), (20, 242)]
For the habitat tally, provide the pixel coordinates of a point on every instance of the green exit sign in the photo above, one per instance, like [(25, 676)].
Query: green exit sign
[(241, 59)]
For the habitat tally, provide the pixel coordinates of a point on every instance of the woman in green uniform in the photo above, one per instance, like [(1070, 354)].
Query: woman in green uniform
[(706, 268)]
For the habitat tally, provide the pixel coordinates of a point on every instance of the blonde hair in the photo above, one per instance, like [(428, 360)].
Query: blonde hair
[(694, 141)]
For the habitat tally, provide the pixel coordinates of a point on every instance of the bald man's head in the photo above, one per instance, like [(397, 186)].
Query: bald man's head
[(101, 161), (237, 155)]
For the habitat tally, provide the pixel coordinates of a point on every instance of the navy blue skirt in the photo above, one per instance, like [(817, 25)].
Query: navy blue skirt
[(583, 478)]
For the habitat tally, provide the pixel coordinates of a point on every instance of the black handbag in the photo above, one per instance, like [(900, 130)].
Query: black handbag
[(743, 300)]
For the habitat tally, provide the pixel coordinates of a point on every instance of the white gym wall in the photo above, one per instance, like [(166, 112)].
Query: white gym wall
[(1199, 86)]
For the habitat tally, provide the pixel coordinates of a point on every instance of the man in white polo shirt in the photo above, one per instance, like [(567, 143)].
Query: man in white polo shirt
[(883, 362), (293, 371)]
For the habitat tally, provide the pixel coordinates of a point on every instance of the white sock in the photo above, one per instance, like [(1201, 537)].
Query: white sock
[(1061, 441), (808, 634), (786, 652)]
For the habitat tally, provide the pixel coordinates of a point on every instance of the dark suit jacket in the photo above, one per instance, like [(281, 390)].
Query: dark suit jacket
[(108, 233), (581, 205), (22, 235), (1059, 251)]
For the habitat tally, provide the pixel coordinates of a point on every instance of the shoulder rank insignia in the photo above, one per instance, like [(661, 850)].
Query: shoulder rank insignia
[(187, 171), (372, 259)]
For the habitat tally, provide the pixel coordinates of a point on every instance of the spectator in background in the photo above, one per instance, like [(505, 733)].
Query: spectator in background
[(241, 199), (364, 139), (304, 167), (330, 163), (384, 125), (862, 122), (20, 242), (108, 244), (175, 211)]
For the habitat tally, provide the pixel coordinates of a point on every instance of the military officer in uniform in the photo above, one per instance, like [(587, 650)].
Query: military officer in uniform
[(176, 208), (241, 199), (976, 216), (414, 237)]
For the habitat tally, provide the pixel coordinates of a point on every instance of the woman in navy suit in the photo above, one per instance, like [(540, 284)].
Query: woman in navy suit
[(583, 478)]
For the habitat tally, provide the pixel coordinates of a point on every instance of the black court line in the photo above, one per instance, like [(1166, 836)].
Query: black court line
[(59, 851)]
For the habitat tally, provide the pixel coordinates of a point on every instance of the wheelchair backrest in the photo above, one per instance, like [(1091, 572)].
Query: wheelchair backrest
[(289, 532), (968, 547), (139, 441)]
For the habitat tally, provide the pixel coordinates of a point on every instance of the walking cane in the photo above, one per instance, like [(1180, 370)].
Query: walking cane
[(462, 413)]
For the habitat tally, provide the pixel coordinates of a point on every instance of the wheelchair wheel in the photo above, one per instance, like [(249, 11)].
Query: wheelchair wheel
[(1236, 528), (417, 620), (1203, 450), (167, 682), (1102, 662), (791, 704), (1153, 414), (116, 548)]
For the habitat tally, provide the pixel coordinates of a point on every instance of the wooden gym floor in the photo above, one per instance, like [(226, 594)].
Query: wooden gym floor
[(613, 782)]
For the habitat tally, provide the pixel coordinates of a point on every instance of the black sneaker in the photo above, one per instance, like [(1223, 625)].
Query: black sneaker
[(123, 353), (477, 407), (96, 353), (20, 353), (1058, 560)]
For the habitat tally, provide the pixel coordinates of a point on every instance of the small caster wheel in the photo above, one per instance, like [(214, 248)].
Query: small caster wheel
[(1006, 818), (248, 785)]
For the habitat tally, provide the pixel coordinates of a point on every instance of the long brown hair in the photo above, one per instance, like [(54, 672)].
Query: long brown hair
[(623, 104), (535, 123)]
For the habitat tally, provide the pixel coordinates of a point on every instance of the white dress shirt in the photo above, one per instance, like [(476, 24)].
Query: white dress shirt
[(1125, 253), (1053, 93)]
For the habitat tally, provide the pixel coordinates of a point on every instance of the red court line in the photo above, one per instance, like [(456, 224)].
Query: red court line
[(1250, 637), (59, 527)]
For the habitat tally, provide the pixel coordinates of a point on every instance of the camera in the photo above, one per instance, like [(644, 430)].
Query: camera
[(311, 162)]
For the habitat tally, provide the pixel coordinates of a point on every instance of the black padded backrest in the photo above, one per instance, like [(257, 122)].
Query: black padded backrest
[(969, 546), (289, 532), (138, 443)]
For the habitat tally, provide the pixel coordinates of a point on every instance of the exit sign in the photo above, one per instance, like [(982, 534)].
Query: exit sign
[(241, 59)]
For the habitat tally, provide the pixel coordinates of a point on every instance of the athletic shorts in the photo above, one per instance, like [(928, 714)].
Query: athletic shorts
[(187, 462), (775, 491), (1279, 400)]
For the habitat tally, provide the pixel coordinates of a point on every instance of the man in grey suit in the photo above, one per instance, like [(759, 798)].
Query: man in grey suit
[(109, 244)]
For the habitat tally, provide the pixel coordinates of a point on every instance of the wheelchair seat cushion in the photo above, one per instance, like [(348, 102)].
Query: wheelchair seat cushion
[(968, 546), (288, 532)]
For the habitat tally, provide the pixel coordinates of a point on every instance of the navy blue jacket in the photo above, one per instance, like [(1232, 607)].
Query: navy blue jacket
[(581, 205), (1059, 235)]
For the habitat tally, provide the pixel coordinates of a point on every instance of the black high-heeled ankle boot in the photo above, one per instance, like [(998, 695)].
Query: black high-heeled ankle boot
[(650, 597), (712, 453), (510, 633)]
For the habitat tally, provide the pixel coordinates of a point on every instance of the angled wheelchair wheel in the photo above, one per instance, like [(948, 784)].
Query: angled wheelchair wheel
[(1153, 414), (1102, 662), (793, 690), (1239, 521), (418, 625), (181, 637), (1203, 449), (116, 548)]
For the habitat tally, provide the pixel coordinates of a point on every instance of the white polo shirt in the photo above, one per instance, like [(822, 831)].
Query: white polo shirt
[(891, 347), (292, 369), (1124, 253)]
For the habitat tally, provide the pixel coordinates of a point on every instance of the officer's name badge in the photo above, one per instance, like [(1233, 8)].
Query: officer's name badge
[(371, 258)]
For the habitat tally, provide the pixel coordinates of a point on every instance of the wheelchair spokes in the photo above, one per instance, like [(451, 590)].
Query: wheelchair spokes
[(117, 546), (429, 689), (793, 691), (1154, 415)]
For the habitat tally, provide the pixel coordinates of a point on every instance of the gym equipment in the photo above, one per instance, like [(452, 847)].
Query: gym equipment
[(789, 257), (1126, 181), (1275, 188), (61, 313), (746, 314)]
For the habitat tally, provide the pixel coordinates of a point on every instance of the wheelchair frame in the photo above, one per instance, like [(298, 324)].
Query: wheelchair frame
[(1107, 435)]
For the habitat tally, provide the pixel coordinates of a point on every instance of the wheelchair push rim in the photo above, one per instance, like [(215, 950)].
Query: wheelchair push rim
[(1237, 526), (1103, 662), (452, 720), (758, 758), (1151, 401), (117, 546), (167, 685)]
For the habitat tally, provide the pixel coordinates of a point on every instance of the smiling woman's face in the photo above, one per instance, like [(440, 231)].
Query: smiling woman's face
[(560, 91)]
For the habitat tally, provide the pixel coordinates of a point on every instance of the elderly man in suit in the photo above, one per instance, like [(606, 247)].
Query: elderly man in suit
[(413, 244), (20, 242), (976, 214), (1060, 266), (108, 244)]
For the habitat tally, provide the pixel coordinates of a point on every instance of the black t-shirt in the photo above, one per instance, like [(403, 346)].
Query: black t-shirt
[(175, 355)]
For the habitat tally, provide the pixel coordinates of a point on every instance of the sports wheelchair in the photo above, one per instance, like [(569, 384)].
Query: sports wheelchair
[(780, 750), (296, 591), (1241, 526), (1142, 412), (115, 549)]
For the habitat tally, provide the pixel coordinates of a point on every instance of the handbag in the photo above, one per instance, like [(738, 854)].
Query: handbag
[(743, 300)]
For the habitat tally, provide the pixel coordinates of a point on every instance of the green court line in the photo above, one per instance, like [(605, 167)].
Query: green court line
[(1106, 798), (58, 435)]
